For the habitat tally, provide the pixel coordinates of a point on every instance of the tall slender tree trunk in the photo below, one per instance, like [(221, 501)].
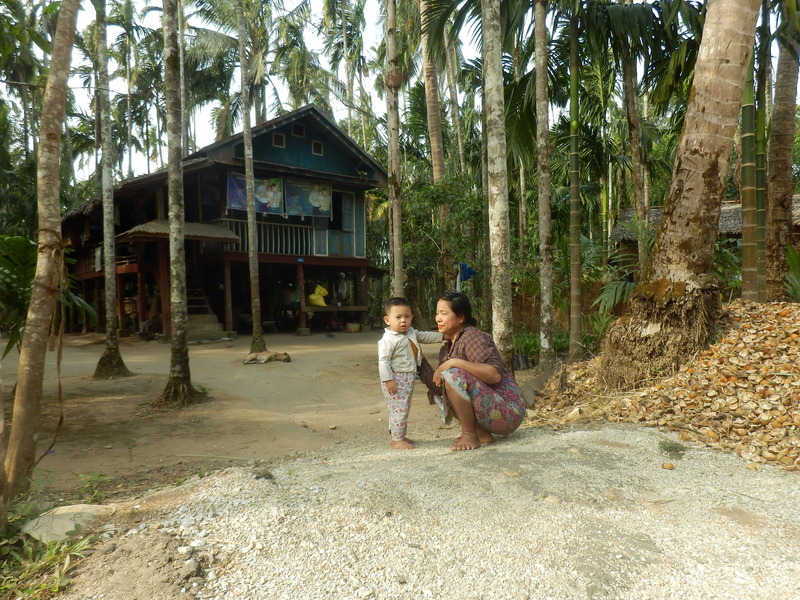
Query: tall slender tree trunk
[(547, 352), (20, 456), (433, 110), (634, 137), (674, 309), (110, 364), (179, 390), (452, 84), (576, 349), (779, 206), (748, 191), (257, 343), (497, 182), (393, 80), (764, 58)]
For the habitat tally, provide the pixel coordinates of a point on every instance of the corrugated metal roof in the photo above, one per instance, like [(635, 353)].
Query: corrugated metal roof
[(159, 228)]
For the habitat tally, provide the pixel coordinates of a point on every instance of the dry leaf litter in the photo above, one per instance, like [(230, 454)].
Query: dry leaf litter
[(741, 394)]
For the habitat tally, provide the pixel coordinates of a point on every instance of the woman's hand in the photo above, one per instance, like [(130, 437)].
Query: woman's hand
[(437, 374), (391, 387)]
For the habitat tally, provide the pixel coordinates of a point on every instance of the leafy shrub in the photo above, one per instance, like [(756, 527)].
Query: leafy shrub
[(792, 283)]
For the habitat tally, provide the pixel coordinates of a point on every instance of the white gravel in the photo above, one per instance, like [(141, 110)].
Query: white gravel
[(583, 514)]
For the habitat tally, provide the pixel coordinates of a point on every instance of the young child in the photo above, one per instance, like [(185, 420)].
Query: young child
[(399, 356)]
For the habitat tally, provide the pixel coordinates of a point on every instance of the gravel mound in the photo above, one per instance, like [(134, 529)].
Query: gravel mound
[(616, 512)]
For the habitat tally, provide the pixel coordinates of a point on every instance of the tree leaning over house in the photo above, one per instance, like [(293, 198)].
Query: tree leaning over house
[(178, 391), (674, 309), (110, 364), (20, 456)]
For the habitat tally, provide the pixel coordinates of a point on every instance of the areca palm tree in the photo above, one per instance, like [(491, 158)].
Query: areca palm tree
[(110, 363), (779, 206), (178, 390), (497, 178), (393, 81)]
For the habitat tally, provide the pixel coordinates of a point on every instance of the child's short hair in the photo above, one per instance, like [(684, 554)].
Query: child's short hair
[(396, 301)]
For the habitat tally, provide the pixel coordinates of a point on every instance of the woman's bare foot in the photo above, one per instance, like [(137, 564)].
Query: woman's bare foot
[(484, 437), (409, 440), (467, 441), (403, 444)]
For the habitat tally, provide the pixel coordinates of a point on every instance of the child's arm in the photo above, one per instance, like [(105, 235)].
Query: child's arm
[(385, 348), (429, 337)]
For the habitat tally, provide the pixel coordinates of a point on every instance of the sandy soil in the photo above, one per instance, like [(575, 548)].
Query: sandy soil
[(328, 394)]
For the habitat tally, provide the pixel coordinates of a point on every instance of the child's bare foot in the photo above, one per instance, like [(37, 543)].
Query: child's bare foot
[(401, 444), (467, 441)]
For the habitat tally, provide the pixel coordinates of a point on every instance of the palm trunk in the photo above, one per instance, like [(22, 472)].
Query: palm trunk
[(257, 343), (674, 310), (393, 82), (547, 352), (110, 364), (634, 136), (178, 391), (497, 181), (453, 87), (779, 207), (21, 448), (748, 193), (576, 349)]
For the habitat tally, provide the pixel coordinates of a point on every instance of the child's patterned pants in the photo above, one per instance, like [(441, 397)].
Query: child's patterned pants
[(399, 404)]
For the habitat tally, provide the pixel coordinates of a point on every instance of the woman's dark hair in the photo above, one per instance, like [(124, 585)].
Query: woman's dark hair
[(460, 305)]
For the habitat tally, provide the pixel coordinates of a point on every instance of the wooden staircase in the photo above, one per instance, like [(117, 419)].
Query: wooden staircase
[(202, 323)]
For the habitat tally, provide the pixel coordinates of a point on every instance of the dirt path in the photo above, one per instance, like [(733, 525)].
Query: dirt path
[(327, 394), (597, 515)]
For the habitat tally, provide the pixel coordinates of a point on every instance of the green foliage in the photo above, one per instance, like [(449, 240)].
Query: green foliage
[(17, 271), (29, 568), (727, 265), (527, 343), (594, 326), (792, 283), (92, 490), (613, 294)]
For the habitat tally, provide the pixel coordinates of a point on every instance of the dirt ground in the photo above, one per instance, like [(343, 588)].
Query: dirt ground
[(329, 393)]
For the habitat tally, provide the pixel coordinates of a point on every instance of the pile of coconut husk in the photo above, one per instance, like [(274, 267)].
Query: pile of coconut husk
[(741, 394)]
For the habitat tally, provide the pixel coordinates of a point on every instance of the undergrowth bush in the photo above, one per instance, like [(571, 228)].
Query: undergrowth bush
[(32, 569)]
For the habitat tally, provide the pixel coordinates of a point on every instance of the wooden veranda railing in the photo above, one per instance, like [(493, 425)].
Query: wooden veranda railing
[(273, 238)]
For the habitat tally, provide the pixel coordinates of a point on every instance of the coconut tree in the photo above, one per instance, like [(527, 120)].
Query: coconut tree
[(178, 390), (674, 309), (110, 364), (20, 457)]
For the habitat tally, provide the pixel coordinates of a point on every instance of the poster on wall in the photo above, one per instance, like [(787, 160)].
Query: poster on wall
[(308, 198), (269, 196), (268, 192)]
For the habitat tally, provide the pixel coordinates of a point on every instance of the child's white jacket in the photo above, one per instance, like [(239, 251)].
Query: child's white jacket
[(395, 354)]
